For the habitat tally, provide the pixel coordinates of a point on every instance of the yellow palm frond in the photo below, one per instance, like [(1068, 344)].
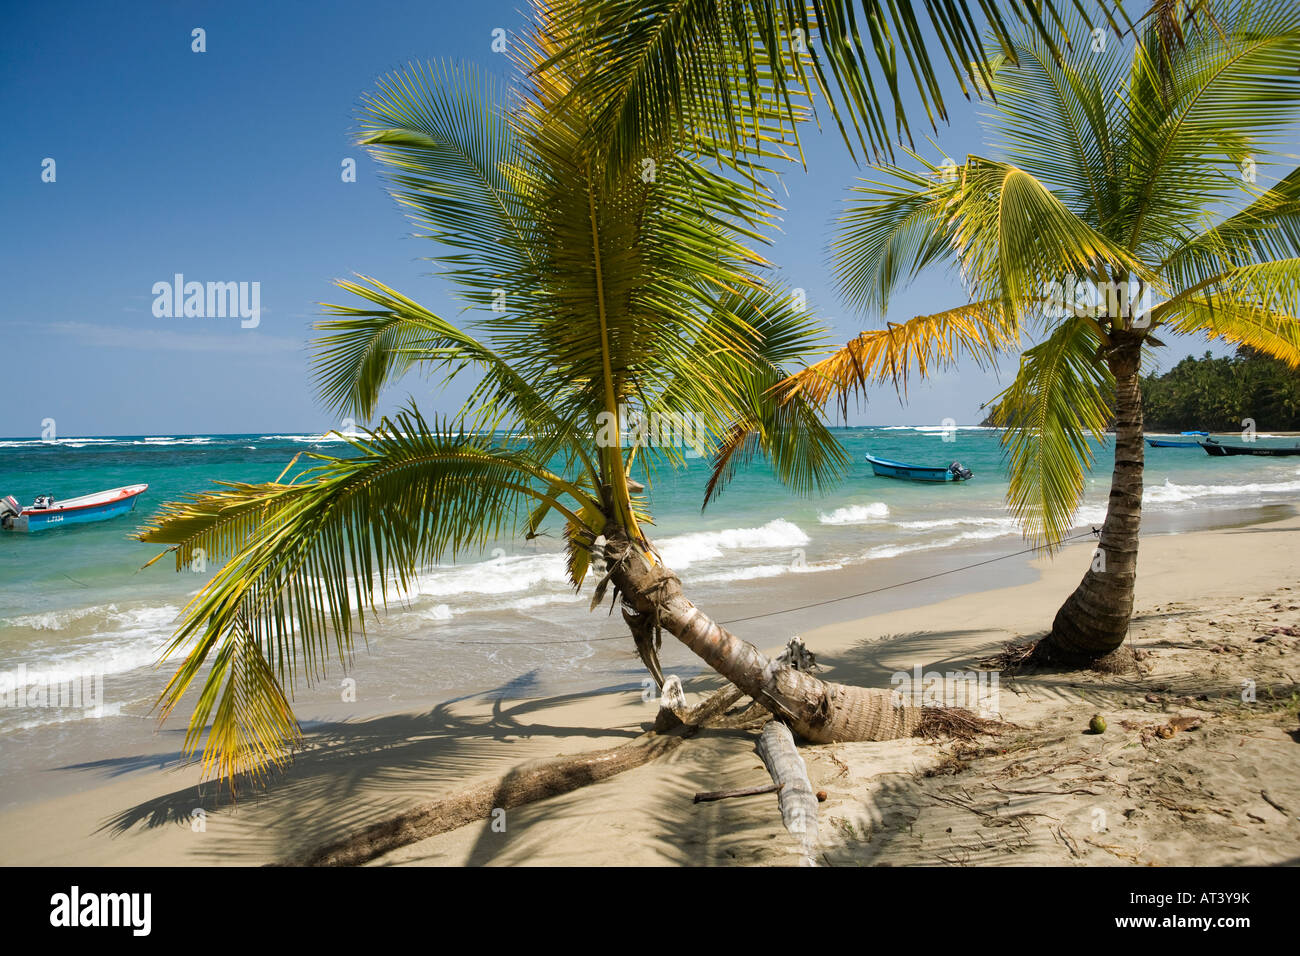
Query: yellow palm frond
[(1256, 305), (979, 330)]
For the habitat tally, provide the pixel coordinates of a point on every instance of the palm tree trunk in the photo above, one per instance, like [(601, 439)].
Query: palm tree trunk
[(819, 711), (1094, 619)]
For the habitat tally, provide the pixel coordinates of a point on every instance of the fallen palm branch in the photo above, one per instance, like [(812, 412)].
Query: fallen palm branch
[(955, 722), (710, 796), (674, 724), (550, 778)]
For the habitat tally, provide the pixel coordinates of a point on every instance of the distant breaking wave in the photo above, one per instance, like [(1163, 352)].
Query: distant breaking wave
[(937, 428), (1171, 493)]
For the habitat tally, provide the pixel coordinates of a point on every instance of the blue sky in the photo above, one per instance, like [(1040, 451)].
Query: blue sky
[(225, 166)]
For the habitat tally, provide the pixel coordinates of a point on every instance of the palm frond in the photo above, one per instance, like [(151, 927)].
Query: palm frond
[(368, 349), (892, 229), (1053, 412), (351, 529), (755, 419), (1008, 233), (1014, 238), (1070, 91), (675, 68), (1255, 305), (1268, 228), (1195, 116), (921, 345), (443, 137)]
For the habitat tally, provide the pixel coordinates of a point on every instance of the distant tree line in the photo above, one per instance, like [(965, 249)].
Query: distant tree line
[(1215, 394)]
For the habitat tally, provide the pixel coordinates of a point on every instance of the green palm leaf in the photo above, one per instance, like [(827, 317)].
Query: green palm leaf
[(668, 69), (1053, 412), (327, 547)]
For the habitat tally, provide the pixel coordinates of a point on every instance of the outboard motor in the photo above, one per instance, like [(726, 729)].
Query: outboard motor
[(960, 471), (9, 509)]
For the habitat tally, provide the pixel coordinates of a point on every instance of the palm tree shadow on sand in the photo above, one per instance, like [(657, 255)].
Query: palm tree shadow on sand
[(356, 773)]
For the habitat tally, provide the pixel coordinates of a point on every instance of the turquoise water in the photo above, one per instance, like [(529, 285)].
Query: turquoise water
[(74, 601)]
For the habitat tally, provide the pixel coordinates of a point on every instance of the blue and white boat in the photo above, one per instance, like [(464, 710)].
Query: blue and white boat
[(1166, 443), (46, 513), (884, 468)]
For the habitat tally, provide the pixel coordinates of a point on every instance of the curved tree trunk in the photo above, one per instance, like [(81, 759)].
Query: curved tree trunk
[(819, 711), (1094, 620)]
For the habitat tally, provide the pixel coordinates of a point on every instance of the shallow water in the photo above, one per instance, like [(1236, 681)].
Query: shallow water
[(74, 603)]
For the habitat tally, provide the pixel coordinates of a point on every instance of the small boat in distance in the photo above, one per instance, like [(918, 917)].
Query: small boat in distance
[(1216, 450), (1166, 443), (45, 512), (884, 468)]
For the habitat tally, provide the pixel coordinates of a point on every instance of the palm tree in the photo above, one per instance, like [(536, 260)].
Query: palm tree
[(604, 298), (1119, 166), (664, 69)]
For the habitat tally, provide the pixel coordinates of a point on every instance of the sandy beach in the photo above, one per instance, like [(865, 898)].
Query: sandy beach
[(1216, 609)]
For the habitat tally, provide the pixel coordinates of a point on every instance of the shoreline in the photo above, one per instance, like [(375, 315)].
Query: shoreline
[(119, 809)]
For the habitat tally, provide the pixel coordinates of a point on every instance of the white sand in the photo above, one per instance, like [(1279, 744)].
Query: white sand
[(1192, 799)]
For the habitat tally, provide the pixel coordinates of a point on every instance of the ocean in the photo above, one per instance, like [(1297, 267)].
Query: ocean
[(75, 602)]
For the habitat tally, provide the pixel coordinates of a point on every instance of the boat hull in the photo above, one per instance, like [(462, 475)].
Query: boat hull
[(1159, 443), (87, 509), (884, 468), (1222, 451)]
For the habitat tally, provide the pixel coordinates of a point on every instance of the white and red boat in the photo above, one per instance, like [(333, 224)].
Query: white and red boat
[(45, 512)]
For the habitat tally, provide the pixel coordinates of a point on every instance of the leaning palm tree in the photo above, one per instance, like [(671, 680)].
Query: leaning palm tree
[(600, 300), (1123, 210)]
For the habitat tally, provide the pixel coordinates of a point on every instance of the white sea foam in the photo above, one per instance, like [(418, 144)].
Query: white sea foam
[(856, 514), (163, 442), (995, 526), (66, 442), (568, 596), (979, 529), (930, 544), (1089, 515), (124, 641), (57, 620), (683, 550), (65, 715), (762, 571), (938, 429), (77, 442), (534, 580), (503, 575), (327, 437), (1171, 493)]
